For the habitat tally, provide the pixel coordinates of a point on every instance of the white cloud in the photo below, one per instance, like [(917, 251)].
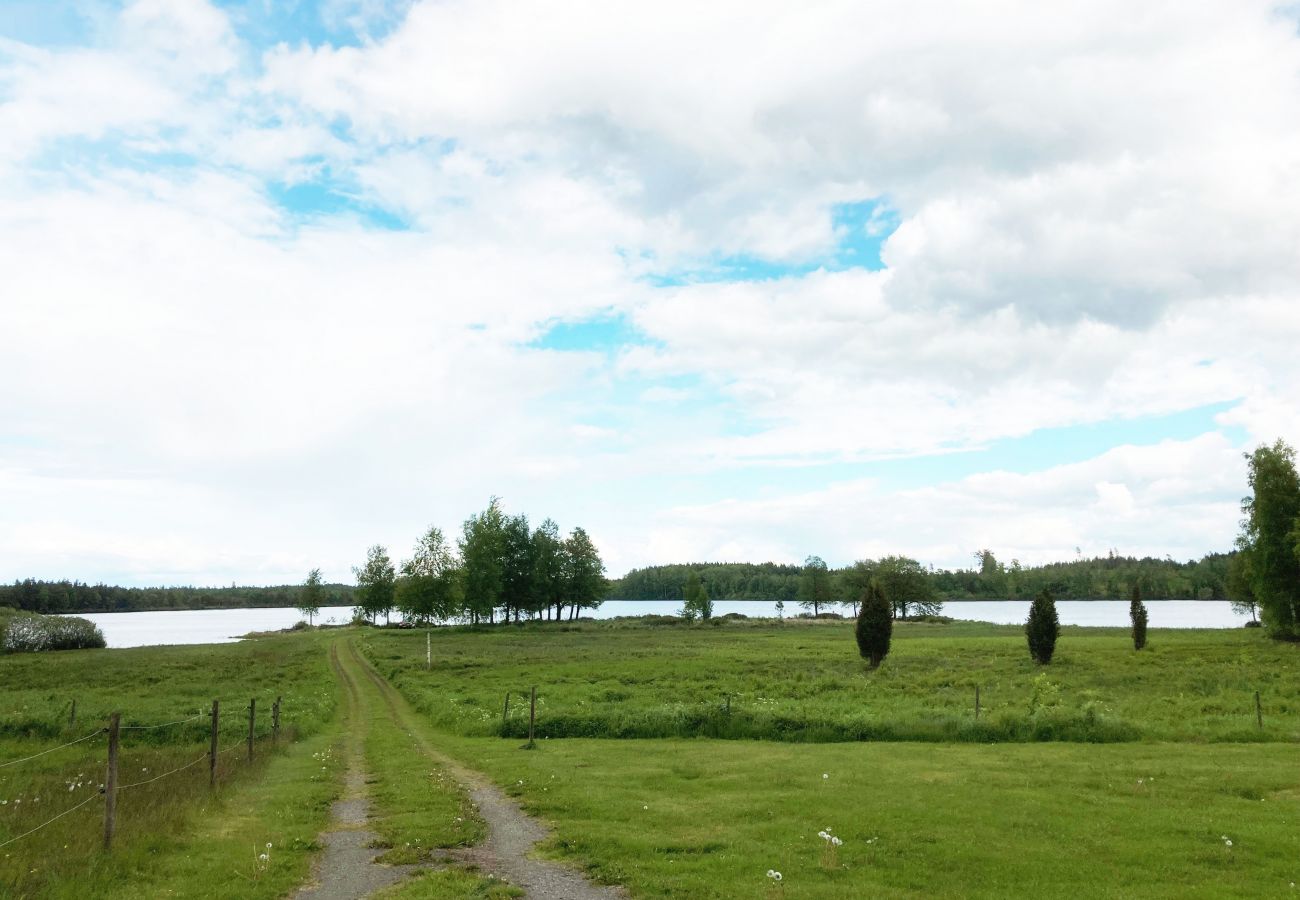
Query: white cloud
[(1098, 207)]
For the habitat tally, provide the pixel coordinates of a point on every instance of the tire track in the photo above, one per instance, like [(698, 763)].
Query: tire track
[(347, 869), (512, 833)]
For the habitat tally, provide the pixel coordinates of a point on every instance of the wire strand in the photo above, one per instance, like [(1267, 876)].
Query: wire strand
[(123, 787), (14, 762), (50, 821), (163, 724)]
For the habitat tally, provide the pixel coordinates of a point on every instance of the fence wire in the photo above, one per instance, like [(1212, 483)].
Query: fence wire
[(14, 762), (51, 821)]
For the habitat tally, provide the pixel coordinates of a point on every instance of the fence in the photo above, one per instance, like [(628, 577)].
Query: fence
[(112, 731)]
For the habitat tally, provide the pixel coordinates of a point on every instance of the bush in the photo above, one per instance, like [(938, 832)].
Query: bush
[(1137, 612), (31, 633), (875, 625), (1042, 628)]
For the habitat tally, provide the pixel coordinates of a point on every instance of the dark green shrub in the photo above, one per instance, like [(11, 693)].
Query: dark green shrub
[(1042, 628), (1137, 612), (875, 625)]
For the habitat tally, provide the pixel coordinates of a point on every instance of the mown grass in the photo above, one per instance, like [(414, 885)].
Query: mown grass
[(704, 818), (806, 682), (157, 821)]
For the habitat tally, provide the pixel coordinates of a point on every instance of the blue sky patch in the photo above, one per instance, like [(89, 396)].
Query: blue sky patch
[(861, 229)]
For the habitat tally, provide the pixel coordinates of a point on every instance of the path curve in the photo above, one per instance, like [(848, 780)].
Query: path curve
[(512, 833)]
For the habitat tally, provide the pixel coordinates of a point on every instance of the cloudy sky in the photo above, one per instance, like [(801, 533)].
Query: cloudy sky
[(727, 281)]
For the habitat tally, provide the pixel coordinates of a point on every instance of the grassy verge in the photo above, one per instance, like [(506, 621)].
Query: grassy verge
[(806, 683), (704, 818)]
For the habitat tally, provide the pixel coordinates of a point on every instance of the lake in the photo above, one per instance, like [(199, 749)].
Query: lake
[(217, 626)]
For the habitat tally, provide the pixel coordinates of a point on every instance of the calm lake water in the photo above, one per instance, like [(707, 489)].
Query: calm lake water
[(218, 626)]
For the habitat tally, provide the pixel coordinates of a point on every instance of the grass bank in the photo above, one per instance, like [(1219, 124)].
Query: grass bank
[(805, 682)]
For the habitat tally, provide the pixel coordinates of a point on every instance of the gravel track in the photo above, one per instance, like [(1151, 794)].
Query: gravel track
[(512, 833)]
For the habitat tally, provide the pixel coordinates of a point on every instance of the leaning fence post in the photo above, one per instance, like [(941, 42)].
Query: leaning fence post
[(110, 781), (1259, 712), (275, 721), (212, 750), (72, 716), (532, 717), (252, 712), (977, 701), (505, 713)]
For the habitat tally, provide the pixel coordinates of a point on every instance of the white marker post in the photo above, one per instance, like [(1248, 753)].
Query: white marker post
[(428, 650)]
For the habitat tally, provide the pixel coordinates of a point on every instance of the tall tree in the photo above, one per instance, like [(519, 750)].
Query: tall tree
[(428, 589), (309, 597), (482, 550), (516, 566), (584, 572), (376, 583), (905, 583), (548, 585), (1269, 537), (815, 585), (1239, 586)]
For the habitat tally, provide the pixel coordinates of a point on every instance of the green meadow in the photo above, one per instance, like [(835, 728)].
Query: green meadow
[(802, 681), (678, 761)]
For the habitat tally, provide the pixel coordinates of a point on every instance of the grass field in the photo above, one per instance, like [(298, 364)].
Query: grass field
[(805, 682), (1023, 803), (174, 831), (708, 818)]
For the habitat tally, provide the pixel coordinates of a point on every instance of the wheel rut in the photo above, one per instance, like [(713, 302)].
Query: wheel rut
[(347, 869), (512, 833)]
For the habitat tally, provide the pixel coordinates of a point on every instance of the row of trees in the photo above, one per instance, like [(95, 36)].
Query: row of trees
[(499, 567)]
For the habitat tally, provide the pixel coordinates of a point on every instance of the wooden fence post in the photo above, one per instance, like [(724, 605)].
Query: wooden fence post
[(252, 712), (212, 750), (728, 704), (1259, 712), (977, 701), (275, 721), (532, 717), (110, 781), (72, 716), (505, 713)]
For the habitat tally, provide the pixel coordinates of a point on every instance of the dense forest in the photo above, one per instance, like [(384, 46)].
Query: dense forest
[(1108, 577), (77, 597)]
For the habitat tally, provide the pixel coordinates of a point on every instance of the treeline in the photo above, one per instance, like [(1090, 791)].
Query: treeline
[(500, 568), (79, 597), (726, 581), (1110, 577)]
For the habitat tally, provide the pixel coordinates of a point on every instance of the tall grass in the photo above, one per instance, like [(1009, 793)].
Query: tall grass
[(806, 683), (149, 687)]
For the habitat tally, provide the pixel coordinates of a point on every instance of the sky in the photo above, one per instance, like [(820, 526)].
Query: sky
[(733, 281)]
